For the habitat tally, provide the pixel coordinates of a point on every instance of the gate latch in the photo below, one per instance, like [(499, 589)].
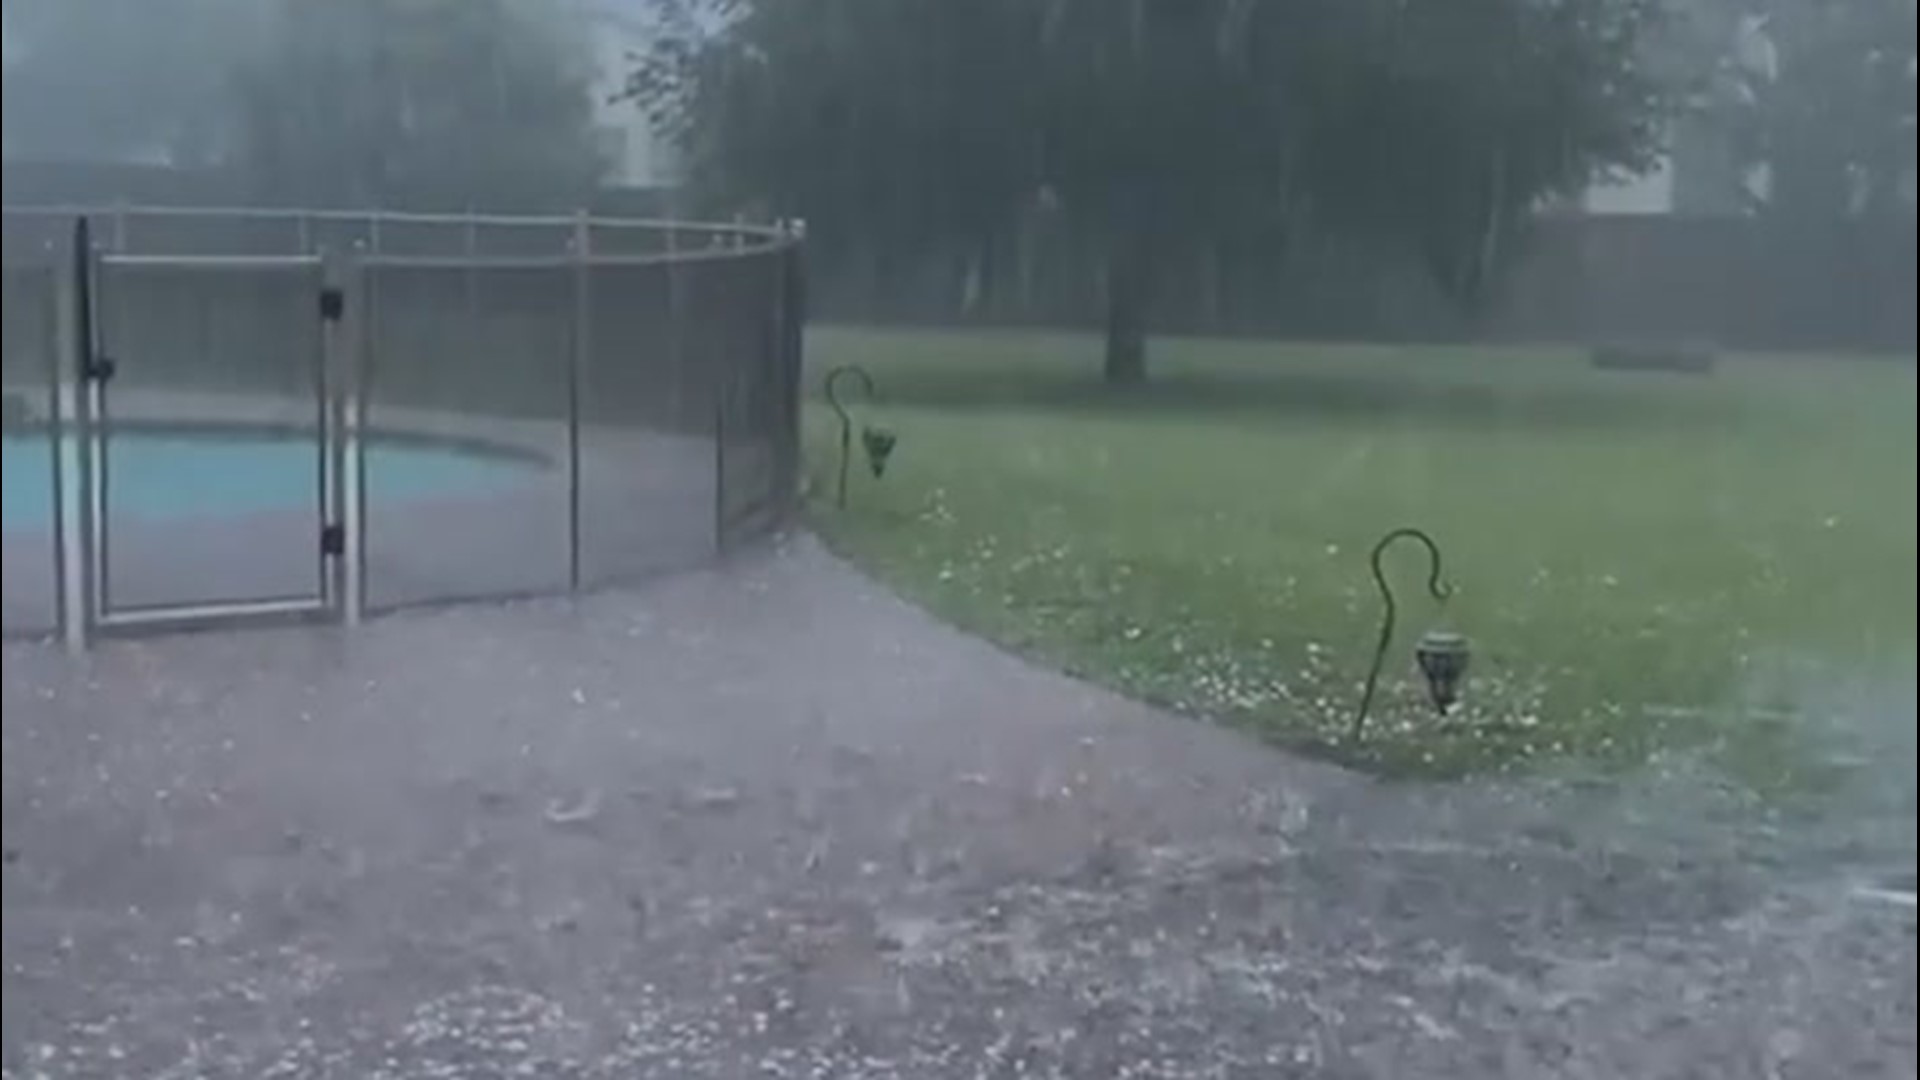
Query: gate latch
[(333, 303), (98, 368), (333, 540)]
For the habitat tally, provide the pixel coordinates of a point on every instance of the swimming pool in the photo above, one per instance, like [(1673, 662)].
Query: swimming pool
[(174, 475)]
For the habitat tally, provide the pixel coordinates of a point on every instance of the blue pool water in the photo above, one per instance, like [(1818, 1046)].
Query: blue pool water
[(182, 475)]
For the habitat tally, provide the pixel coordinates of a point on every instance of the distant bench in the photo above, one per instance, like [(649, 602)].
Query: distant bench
[(1685, 359)]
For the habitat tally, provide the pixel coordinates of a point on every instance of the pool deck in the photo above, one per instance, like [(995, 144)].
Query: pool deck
[(767, 820)]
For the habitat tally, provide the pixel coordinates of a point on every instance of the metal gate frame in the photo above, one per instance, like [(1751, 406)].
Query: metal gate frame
[(86, 540)]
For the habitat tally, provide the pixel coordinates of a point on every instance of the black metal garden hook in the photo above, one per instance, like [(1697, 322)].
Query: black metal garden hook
[(1442, 655), (877, 441)]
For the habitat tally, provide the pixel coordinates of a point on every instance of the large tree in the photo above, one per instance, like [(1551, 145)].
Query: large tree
[(438, 102), (367, 102), (1814, 100), (1435, 125), (121, 80)]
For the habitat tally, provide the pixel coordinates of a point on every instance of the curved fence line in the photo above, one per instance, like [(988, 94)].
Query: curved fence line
[(34, 233), (643, 374), (778, 231)]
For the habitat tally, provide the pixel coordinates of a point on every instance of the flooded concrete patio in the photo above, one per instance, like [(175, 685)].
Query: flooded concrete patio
[(767, 820)]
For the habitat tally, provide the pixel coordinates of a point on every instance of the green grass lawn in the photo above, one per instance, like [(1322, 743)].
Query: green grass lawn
[(1642, 560)]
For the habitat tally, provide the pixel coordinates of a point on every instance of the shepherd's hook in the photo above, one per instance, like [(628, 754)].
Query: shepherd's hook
[(1440, 590), (846, 422)]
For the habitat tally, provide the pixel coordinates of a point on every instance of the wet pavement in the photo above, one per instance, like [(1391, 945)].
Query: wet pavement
[(766, 820)]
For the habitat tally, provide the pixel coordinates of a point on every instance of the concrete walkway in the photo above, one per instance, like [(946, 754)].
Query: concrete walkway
[(767, 820)]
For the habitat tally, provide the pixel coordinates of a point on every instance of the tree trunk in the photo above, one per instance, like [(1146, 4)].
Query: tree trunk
[(1129, 292)]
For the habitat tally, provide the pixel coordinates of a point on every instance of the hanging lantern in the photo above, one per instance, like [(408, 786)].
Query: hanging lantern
[(1443, 657), (879, 443)]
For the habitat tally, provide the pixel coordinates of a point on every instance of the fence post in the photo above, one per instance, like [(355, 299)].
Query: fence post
[(470, 247), (340, 431), (72, 341), (722, 383), (793, 311), (355, 339), (577, 359), (676, 307)]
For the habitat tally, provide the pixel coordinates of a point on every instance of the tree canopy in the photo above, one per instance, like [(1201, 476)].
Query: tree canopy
[(1435, 125), (122, 79), (1814, 100), (417, 101), (437, 102)]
